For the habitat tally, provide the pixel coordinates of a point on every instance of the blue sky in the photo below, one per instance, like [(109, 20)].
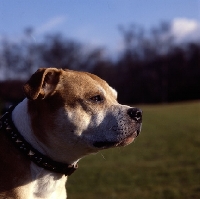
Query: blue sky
[(95, 22)]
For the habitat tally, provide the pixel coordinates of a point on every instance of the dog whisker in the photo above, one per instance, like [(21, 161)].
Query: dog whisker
[(103, 156)]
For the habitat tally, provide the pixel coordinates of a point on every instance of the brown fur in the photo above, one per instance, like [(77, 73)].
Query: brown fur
[(57, 83), (14, 172), (65, 122), (66, 88)]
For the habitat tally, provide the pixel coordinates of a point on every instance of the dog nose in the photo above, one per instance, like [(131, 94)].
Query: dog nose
[(135, 114)]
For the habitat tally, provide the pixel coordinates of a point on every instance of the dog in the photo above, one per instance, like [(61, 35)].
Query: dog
[(65, 116)]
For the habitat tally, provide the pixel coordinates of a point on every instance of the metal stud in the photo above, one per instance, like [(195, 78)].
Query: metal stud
[(8, 128), (18, 141), (31, 153), (39, 160)]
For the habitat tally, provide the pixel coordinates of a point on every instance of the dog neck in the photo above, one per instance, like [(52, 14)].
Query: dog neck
[(45, 183), (37, 151), (22, 122)]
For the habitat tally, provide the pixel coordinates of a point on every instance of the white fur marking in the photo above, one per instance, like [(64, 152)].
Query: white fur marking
[(47, 185), (22, 122)]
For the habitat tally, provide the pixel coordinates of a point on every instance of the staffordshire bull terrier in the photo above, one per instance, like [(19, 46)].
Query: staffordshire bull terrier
[(65, 116)]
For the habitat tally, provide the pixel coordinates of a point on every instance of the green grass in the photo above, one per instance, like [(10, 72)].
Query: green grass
[(163, 162)]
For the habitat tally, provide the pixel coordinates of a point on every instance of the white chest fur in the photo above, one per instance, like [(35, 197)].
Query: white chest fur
[(47, 185)]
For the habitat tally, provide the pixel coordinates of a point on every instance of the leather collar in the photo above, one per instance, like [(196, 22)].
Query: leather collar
[(7, 125)]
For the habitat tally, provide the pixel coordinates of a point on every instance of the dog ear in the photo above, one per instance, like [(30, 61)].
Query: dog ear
[(42, 83)]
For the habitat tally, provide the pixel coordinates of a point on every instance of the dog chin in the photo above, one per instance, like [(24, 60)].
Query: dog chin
[(108, 144)]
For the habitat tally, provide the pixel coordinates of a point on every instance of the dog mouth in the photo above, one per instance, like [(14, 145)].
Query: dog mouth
[(107, 144)]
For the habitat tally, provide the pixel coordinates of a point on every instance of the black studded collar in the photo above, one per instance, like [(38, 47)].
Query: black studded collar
[(7, 125)]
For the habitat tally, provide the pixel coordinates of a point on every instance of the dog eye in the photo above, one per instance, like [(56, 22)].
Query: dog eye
[(97, 98)]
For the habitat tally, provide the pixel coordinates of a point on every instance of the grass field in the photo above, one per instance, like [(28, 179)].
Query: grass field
[(163, 162)]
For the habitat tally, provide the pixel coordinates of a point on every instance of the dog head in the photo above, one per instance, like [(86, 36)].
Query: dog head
[(77, 113)]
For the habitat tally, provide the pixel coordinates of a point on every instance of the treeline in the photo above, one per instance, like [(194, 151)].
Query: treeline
[(151, 67)]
